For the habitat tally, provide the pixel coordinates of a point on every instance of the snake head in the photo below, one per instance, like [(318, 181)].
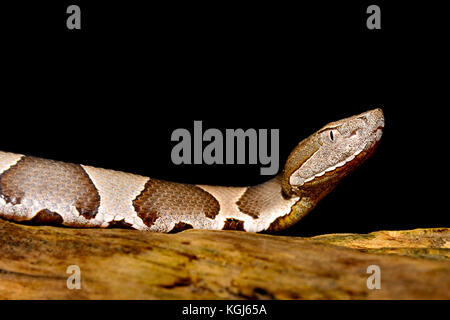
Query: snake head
[(320, 161)]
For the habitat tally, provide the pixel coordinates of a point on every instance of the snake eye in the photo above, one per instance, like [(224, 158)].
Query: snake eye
[(331, 135)]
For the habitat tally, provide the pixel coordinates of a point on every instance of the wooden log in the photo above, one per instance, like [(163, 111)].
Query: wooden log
[(196, 264)]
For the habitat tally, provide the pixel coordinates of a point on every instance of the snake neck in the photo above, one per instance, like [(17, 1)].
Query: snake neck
[(253, 208)]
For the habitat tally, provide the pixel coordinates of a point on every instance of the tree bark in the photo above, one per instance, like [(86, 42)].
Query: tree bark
[(196, 264)]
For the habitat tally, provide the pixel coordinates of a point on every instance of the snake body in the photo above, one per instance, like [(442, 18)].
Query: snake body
[(50, 192)]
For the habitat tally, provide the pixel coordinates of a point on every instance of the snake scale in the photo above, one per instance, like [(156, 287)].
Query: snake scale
[(40, 191)]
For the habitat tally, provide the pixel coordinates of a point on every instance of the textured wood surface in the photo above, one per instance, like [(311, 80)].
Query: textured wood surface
[(127, 264)]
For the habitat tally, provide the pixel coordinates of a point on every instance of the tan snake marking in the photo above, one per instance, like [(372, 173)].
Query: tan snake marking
[(52, 192)]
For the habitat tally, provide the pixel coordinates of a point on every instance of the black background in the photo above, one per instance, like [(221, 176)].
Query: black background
[(111, 94)]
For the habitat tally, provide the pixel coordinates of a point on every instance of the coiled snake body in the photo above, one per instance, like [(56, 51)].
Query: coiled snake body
[(52, 192)]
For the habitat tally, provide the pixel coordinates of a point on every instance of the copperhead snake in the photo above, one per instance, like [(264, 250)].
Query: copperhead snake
[(56, 193)]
